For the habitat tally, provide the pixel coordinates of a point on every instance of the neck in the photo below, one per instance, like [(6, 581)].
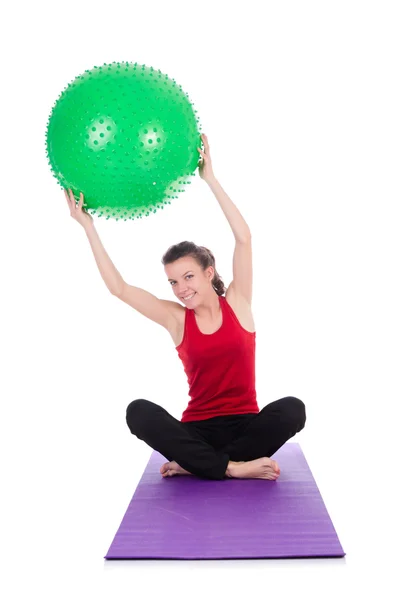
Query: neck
[(210, 308)]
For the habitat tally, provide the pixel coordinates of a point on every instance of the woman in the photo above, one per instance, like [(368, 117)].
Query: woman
[(222, 432)]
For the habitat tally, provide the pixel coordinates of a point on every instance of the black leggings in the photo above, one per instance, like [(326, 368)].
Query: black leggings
[(204, 448)]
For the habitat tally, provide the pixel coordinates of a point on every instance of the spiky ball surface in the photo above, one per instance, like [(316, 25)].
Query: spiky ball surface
[(126, 136)]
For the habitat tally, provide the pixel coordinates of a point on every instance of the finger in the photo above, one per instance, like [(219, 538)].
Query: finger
[(72, 198), (75, 202), (81, 201), (72, 203)]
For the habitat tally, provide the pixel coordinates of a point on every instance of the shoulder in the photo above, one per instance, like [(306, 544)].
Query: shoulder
[(241, 308), (176, 310), (234, 298), (176, 324)]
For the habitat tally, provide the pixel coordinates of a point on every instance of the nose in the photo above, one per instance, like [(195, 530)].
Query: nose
[(184, 293)]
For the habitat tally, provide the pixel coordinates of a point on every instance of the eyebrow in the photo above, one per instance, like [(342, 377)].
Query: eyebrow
[(182, 275)]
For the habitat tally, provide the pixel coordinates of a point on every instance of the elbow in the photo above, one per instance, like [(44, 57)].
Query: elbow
[(244, 239), (116, 292)]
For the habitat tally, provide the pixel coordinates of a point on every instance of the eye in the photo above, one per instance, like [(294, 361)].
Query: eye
[(172, 282)]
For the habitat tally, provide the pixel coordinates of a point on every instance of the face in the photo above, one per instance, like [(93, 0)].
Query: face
[(186, 277)]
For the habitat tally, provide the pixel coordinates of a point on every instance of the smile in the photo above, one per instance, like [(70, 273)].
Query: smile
[(189, 297)]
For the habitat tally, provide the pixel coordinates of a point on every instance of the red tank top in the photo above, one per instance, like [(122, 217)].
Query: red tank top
[(220, 367)]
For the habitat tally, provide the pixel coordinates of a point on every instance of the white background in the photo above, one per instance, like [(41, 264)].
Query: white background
[(298, 100)]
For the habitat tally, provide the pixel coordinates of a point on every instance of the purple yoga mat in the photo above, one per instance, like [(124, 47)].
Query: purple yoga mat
[(186, 517)]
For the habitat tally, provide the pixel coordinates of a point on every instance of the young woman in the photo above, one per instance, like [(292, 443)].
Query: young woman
[(222, 432)]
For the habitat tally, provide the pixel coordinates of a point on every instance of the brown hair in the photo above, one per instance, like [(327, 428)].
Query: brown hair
[(202, 255)]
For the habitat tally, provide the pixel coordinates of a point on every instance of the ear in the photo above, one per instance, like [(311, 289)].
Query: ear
[(211, 273)]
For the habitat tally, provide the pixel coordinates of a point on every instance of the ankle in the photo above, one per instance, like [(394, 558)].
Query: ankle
[(231, 468)]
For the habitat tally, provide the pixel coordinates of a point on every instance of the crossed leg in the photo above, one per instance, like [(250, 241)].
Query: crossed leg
[(251, 450)]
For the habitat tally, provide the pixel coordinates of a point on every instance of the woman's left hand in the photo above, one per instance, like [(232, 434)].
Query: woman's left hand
[(205, 164)]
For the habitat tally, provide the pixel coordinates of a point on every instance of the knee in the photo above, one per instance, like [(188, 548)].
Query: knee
[(136, 413), (297, 412)]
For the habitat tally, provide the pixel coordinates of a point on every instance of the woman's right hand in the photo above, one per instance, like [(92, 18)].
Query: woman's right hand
[(76, 210)]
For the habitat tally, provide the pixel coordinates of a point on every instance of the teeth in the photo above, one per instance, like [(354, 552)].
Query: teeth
[(188, 297)]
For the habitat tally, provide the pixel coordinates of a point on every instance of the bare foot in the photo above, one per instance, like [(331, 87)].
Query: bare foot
[(172, 468), (260, 468)]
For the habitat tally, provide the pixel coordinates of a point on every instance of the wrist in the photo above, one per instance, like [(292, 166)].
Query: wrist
[(211, 180), (89, 227)]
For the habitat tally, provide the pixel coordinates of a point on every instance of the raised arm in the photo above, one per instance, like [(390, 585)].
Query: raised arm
[(241, 285), (236, 221), (162, 312)]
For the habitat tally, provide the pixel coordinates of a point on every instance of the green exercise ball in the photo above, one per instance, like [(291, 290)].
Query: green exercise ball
[(126, 136)]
